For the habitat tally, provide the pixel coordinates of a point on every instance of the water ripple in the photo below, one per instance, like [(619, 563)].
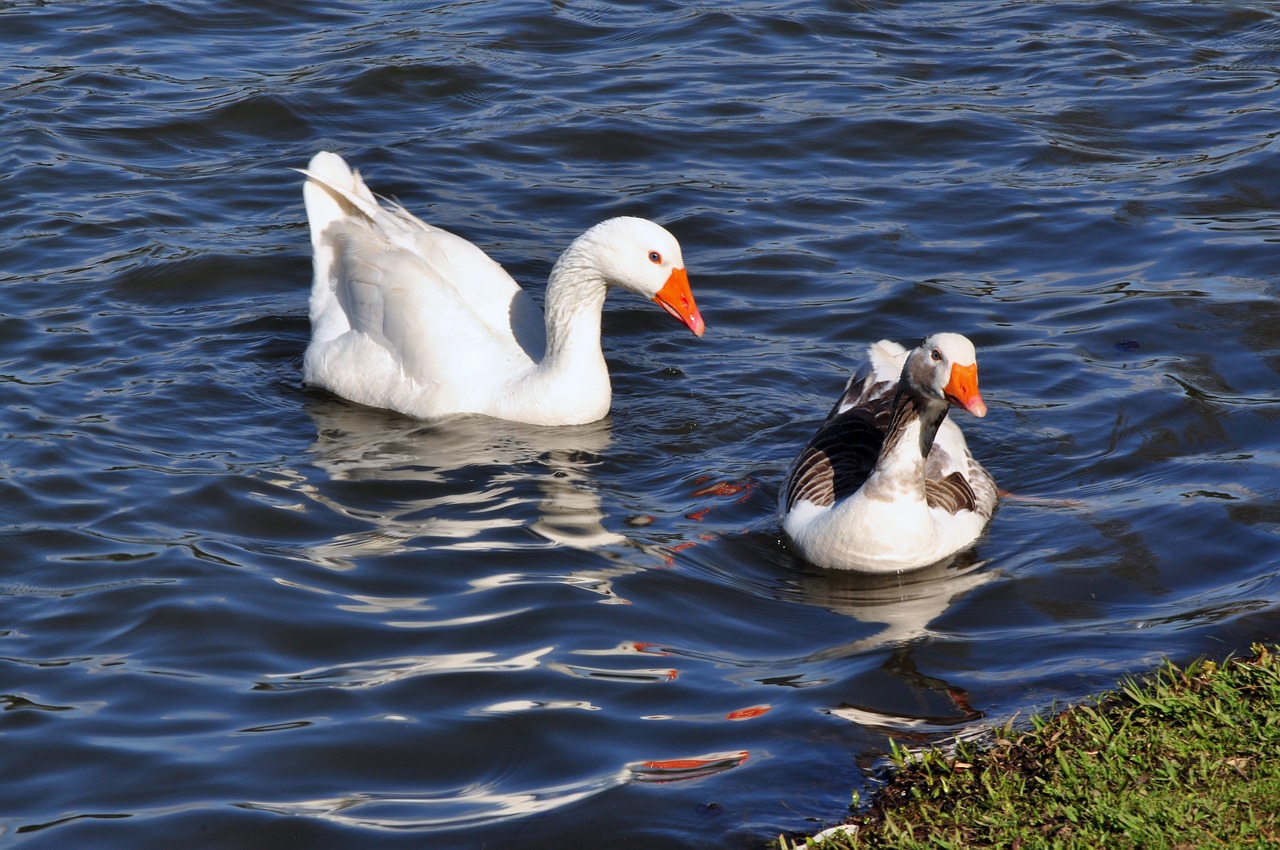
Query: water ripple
[(283, 615)]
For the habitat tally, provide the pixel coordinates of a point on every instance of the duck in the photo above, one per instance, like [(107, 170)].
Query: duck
[(887, 483), (410, 317)]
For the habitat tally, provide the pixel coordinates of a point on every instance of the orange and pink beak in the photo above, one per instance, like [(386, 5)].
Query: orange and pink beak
[(962, 389), (677, 299)]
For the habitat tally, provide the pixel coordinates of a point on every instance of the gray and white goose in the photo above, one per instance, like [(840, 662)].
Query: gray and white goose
[(887, 483)]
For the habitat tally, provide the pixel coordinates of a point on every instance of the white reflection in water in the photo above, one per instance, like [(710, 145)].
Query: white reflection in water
[(453, 807), (476, 804), (456, 482), (533, 705), (371, 674), (905, 603)]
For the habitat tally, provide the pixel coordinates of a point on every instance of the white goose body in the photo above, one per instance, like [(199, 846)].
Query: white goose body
[(410, 317), (888, 483)]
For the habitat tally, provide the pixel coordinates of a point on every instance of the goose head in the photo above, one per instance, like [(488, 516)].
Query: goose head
[(944, 367), (640, 256)]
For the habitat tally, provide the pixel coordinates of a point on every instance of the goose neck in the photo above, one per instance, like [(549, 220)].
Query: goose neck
[(574, 304), (909, 438)]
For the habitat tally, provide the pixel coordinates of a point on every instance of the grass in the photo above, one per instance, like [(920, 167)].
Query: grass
[(1188, 758)]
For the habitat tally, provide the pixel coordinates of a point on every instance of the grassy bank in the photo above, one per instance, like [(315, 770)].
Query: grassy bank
[(1186, 758)]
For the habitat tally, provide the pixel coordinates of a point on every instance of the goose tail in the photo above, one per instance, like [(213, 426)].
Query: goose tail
[(333, 192)]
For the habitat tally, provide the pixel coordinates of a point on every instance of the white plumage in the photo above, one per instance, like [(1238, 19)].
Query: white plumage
[(410, 317)]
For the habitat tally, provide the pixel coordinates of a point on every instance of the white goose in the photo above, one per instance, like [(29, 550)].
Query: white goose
[(888, 483), (410, 317)]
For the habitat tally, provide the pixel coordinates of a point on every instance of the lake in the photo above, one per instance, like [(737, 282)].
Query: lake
[(239, 612)]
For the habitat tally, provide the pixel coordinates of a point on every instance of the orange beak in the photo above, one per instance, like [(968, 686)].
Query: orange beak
[(676, 298), (962, 389)]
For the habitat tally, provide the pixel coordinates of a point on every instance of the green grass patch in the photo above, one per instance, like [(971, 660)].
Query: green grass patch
[(1188, 758)]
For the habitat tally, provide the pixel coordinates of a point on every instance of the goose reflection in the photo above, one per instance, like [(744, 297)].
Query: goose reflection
[(905, 605), (469, 483)]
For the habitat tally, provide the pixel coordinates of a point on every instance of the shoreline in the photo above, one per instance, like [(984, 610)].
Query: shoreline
[(1183, 757)]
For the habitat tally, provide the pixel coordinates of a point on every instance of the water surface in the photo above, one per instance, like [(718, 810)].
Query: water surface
[(235, 612)]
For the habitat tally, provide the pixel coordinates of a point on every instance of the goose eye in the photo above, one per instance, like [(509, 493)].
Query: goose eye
[(655, 258), (936, 355)]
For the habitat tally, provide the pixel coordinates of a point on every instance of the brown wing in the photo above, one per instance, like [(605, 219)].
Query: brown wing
[(974, 491), (953, 493), (840, 456)]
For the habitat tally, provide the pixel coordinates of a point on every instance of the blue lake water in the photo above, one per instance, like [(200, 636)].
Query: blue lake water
[(237, 612)]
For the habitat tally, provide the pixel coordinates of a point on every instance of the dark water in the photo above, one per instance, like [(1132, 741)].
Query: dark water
[(238, 613)]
